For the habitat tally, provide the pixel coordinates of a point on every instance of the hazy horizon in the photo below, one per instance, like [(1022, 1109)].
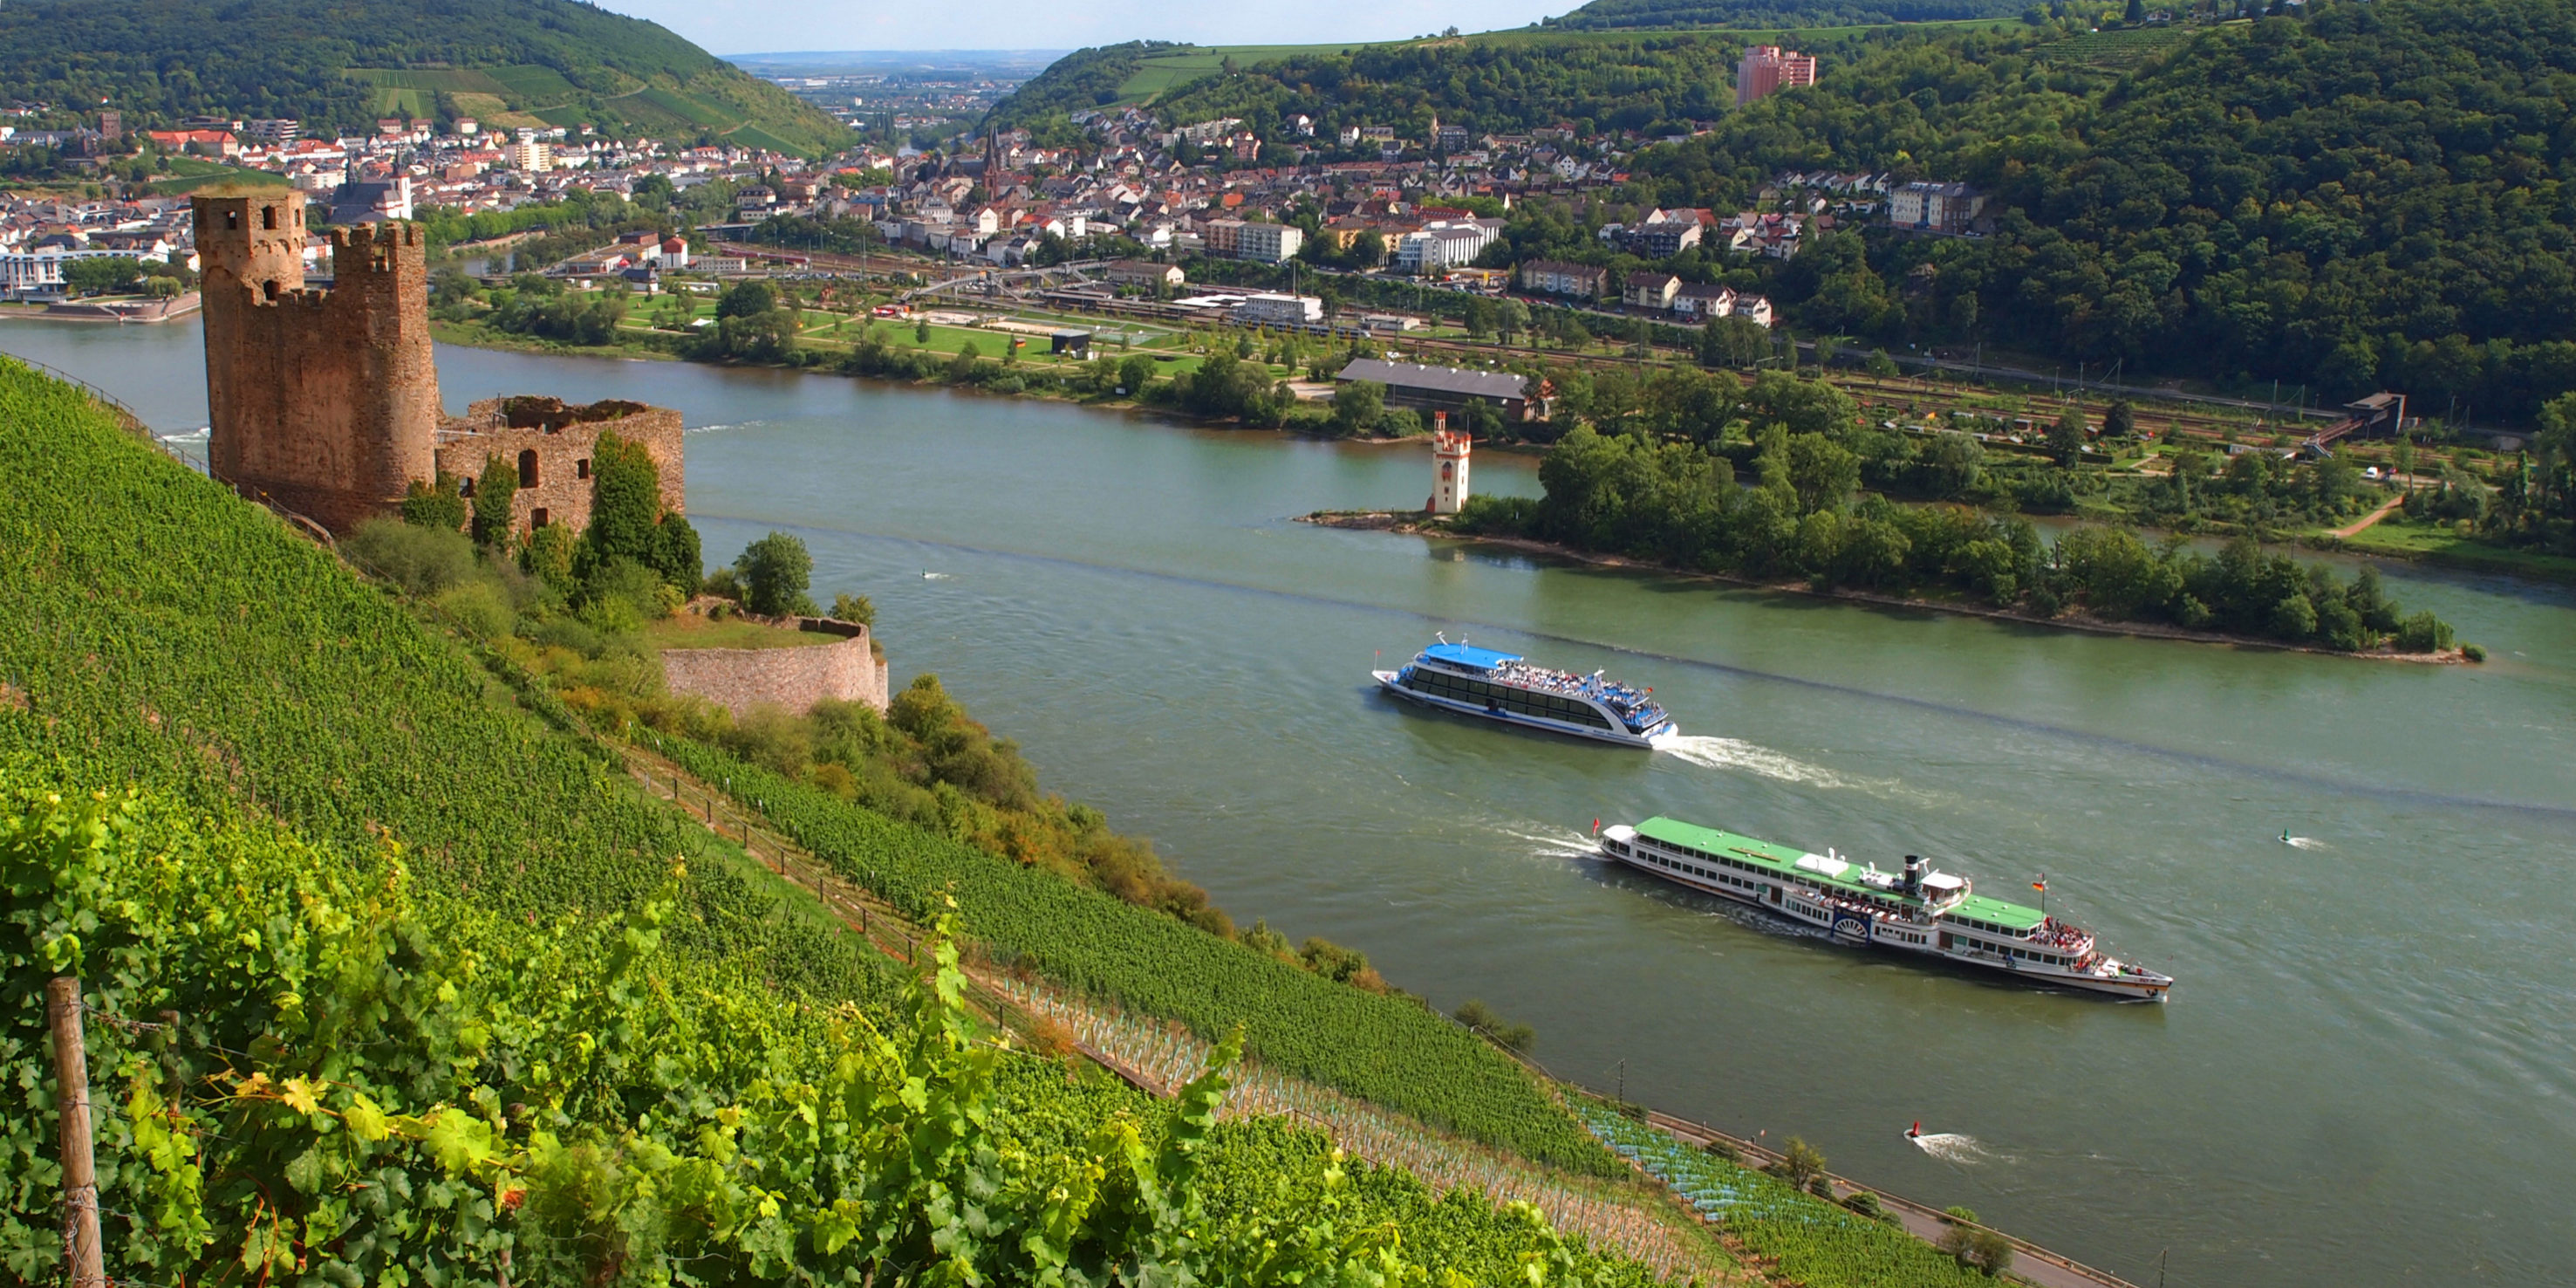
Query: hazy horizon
[(763, 28)]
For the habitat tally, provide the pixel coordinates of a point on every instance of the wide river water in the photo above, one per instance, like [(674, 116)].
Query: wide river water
[(2366, 1075)]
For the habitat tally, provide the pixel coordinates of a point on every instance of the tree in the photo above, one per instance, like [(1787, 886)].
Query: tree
[(495, 490), (1800, 1164), (2120, 420), (99, 274), (744, 299), (1134, 374), (921, 331), (857, 609), (775, 571), (2066, 438), (1357, 406), (625, 502)]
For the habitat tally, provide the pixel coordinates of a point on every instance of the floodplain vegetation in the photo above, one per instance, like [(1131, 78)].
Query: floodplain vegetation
[(393, 976)]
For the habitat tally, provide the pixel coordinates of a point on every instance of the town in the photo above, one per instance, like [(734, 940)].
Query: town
[(1426, 204)]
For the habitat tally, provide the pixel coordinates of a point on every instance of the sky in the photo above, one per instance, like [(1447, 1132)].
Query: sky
[(776, 26)]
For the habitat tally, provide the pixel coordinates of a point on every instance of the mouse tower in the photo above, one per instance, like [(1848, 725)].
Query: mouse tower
[(1449, 451), (323, 401)]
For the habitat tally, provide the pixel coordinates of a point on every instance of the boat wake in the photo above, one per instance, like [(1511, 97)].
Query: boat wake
[(928, 575), (1952, 1147), (2304, 842), (711, 429), (1735, 753), (1554, 844), (197, 435)]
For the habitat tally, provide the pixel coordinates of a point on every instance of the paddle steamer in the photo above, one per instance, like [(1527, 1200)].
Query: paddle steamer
[(1917, 910)]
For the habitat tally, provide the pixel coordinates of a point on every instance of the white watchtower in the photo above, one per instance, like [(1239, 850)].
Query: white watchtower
[(1449, 451)]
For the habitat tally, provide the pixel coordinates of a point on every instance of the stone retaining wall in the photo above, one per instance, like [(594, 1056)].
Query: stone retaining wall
[(739, 679)]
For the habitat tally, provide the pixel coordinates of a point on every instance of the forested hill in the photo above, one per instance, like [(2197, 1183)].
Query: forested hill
[(2380, 194), (1616, 14), (340, 64)]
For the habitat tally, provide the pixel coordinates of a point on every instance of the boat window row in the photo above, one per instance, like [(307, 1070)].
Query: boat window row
[(1988, 927), (1693, 869), (1836, 890), (2004, 950), (1458, 688)]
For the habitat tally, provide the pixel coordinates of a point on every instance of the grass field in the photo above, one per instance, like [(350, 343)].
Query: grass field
[(684, 630), (2436, 543)]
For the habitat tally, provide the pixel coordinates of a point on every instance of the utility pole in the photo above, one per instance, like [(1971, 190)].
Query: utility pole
[(83, 1255)]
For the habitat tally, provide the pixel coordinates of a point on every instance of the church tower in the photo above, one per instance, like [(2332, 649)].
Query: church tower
[(1449, 450)]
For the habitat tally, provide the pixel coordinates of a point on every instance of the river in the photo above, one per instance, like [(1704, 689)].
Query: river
[(2367, 1073)]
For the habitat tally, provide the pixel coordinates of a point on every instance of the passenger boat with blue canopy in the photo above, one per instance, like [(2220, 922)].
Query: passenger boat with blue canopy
[(1917, 910), (1503, 686)]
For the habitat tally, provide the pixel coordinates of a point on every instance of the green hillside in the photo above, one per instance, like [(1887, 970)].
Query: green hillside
[(1620, 14), (339, 64), (371, 868)]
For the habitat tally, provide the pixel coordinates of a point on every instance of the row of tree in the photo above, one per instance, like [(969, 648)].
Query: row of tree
[(1797, 519)]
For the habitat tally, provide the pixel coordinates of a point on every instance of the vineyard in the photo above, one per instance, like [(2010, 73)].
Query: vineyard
[(309, 1067), (162, 630), (390, 974), (1800, 1238), (1383, 1049)]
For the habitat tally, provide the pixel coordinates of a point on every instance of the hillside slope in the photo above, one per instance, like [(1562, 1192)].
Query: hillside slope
[(1606, 15), (2376, 196), (365, 870), (336, 65)]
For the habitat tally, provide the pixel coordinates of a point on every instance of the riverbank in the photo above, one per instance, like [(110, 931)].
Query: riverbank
[(116, 309), (1419, 524)]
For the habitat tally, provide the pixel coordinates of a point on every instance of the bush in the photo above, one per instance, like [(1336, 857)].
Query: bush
[(423, 561), (440, 506), (2424, 633)]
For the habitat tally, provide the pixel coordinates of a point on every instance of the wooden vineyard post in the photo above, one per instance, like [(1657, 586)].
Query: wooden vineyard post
[(82, 1253)]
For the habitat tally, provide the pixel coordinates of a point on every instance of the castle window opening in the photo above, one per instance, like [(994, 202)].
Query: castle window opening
[(537, 518), (232, 220), (269, 288), (528, 469), (268, 218), (465, 488), (581, 468)]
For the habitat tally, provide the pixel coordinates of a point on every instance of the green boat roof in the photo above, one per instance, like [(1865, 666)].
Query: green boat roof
[(1784, 859)]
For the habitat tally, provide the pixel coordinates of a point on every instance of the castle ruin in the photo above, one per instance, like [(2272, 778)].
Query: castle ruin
[(325, 402)]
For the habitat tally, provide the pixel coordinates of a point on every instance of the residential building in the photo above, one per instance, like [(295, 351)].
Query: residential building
[(1137, 272), (1411, 384), (1768, 69), (1268, 243), (1650, 291), (1269, 309), (532, 155), (1556, 277), (1935, 207), (1697, 301)]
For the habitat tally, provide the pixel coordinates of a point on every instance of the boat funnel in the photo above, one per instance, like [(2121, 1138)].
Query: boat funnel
[(1914, 874)]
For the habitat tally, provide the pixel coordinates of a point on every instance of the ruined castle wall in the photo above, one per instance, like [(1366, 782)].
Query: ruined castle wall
[(739, 679), (562, 459)]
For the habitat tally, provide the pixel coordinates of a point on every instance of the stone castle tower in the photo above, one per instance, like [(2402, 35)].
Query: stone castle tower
[(325, 402)]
